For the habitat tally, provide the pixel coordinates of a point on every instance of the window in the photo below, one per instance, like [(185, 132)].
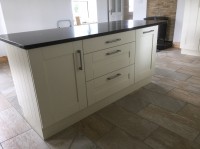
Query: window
[(84, 11)]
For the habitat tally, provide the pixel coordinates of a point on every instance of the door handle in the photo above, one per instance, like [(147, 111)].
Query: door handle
[(115, 40), (111, 11), (114, 52), (148, 31), (113, 77), (81, 60)]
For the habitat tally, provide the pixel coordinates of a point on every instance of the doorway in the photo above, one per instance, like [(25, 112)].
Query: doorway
[(115, 10), (84, 11), (120, 10)]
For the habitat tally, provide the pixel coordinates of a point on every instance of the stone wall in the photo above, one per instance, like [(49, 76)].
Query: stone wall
[(164, 8)]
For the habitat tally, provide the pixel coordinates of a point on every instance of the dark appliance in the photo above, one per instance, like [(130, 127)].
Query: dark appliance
[(162, 43)]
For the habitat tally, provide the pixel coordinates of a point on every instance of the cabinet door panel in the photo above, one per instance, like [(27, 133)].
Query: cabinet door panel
[(145, 48), (59, 84)]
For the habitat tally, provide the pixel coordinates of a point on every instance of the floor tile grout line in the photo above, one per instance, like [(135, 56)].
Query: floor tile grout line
[(7, 109), (113, 128), (124, 129), (188, 91), (189, 78), (196, 137), (178, 87), (151, 133), (16, 135), (167, 94), (136, 115), (186, 104), (178, 115), (70, 145), (188, 74), (158, 91), (113, 125), (95, 141), (140, 140)]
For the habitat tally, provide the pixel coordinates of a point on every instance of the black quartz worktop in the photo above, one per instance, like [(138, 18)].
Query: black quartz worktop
[(41, 38)]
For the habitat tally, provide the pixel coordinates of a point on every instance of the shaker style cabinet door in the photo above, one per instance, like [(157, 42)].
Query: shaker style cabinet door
[(60, 82), (191, 30), (146, 40)]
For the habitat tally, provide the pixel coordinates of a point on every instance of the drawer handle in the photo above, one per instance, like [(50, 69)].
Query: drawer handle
[(148, 31), (113, 77), (81, 63), (111, 41), (114, 52)]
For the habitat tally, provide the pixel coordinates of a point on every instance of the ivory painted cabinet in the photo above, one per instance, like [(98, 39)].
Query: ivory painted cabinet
[(59, 85), (109, 67), (146, 39), (50, 84), (190, 38), (59, 77)]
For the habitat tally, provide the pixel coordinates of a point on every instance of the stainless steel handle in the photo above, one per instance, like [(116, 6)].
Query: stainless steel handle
[(111, 41), (148, 31), (113, 77), (111, 11), (81, 63), (114, 52)]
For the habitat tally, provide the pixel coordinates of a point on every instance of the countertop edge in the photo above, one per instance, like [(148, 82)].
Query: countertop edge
[(39, 45)]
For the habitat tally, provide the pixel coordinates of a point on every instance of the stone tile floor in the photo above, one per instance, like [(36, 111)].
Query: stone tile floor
[(165, 114)]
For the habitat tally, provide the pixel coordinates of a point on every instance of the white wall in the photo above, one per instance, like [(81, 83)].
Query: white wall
[(29, 15), (140, 9), (102, 10), (2, 31), (179, 20)]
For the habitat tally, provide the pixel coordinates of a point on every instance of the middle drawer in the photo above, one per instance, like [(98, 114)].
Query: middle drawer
[(105, 61)]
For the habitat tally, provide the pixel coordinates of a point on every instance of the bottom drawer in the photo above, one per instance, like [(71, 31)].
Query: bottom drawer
[(105, 86)]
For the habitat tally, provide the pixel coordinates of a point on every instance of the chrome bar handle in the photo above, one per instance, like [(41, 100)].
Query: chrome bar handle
[(115, 40), (113, 77), (148, 31), (81, 62), (114, 52)]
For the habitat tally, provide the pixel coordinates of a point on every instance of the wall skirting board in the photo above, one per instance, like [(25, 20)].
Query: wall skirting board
[(3, 59), (176, 45), (190, 52)]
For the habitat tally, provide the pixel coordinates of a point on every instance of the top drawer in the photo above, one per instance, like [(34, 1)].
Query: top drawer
[(107, 41), (146, 31)]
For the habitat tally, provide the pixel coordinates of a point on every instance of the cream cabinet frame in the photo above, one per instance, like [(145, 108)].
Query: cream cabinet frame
[(61, 84)]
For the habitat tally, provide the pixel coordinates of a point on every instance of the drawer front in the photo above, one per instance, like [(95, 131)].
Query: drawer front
[(107, 85), (103, 42), (146, 31), (103, 62)]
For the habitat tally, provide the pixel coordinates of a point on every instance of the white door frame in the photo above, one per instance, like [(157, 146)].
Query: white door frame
[(109, 11)]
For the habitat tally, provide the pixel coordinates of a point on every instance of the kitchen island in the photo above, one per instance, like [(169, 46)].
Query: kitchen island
[(63, 75)]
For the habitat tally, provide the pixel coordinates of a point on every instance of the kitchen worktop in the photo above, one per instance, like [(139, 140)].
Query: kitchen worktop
[(41, 38)]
